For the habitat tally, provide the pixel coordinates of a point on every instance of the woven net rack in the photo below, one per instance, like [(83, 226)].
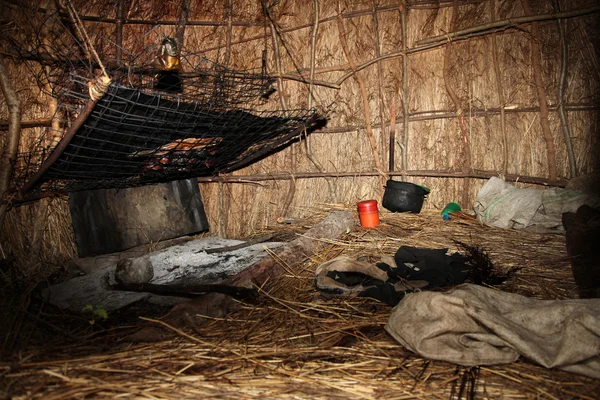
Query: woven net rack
[(156, 115)]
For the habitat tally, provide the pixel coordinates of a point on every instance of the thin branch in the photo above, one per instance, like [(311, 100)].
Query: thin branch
[(499, 88), (9, 153), (35, 123), (475, 174), (181, 23), (347, 15), (459, 111), (414, 116), (561, 94), (229, 33), (250, 179), (119, 30), (307, 140), (363, 91), (392, 130), (294, 77), (458, 36), (495, 26), (379, 79), (536, 61), (404, 92), (62, 145)]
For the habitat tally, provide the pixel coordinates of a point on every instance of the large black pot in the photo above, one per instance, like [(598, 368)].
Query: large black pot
[(403, 196)]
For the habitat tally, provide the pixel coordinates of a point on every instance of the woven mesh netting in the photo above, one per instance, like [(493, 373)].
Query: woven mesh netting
[(164, 116)]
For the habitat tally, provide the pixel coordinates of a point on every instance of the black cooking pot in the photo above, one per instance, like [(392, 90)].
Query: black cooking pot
[(404, 196)]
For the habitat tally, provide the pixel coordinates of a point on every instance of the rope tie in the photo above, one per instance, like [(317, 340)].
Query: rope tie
[(98, 87)]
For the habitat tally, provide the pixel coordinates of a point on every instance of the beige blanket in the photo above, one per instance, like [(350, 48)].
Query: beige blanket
[(473, 325)]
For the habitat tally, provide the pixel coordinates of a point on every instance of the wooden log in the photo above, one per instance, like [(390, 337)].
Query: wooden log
[(216, 305)]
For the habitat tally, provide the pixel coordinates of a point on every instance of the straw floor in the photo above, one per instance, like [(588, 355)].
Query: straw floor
[(295, 344)]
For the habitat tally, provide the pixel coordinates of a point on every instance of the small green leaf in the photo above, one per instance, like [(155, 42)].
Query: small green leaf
[(88, 309), (101, 313)]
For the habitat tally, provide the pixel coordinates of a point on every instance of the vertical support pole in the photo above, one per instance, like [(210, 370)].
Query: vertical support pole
[(404, 149), (382, 127), (500, 90), (11, 147), (119, 30), (536, 61), (392, 135), (229, 16), (561, 94), (183, 17)]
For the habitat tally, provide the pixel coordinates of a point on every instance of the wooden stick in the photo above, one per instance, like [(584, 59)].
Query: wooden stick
[(119, 30), (245, 179), (363, 92), (536, 61), (405, 119), (9, 152), (392, 130), (414, 116), (34, 123), (499, 88), (181, 23), (476, 174), (307, 139), (507, 23), (564, 63), (188, 291), (466, 165), (346, 15), (382, 134), (60, 148), (228, 35), (247, 243)]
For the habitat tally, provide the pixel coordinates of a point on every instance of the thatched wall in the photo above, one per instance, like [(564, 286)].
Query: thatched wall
[(490, 78)]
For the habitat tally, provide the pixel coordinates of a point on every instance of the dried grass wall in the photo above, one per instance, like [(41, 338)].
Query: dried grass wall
[(486, 73), (460, 110)]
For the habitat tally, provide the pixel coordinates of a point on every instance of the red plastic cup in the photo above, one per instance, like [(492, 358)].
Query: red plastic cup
[(368, 213)]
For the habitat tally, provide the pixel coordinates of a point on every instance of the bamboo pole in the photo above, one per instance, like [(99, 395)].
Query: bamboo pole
[(11, 147)]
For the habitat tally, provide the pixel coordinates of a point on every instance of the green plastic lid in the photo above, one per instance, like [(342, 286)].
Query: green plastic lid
[(451, 207)]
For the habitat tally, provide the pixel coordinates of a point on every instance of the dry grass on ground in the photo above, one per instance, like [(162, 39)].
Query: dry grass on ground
[(295, 344)]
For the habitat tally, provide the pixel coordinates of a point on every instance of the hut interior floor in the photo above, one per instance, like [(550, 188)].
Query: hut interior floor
[(293, 343)]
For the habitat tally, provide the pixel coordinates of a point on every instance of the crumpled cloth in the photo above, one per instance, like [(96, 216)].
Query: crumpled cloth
[(472, 325), (501, 204)]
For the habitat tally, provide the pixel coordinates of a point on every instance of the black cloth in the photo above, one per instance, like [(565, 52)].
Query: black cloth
[(412, 264), (432, 265)]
